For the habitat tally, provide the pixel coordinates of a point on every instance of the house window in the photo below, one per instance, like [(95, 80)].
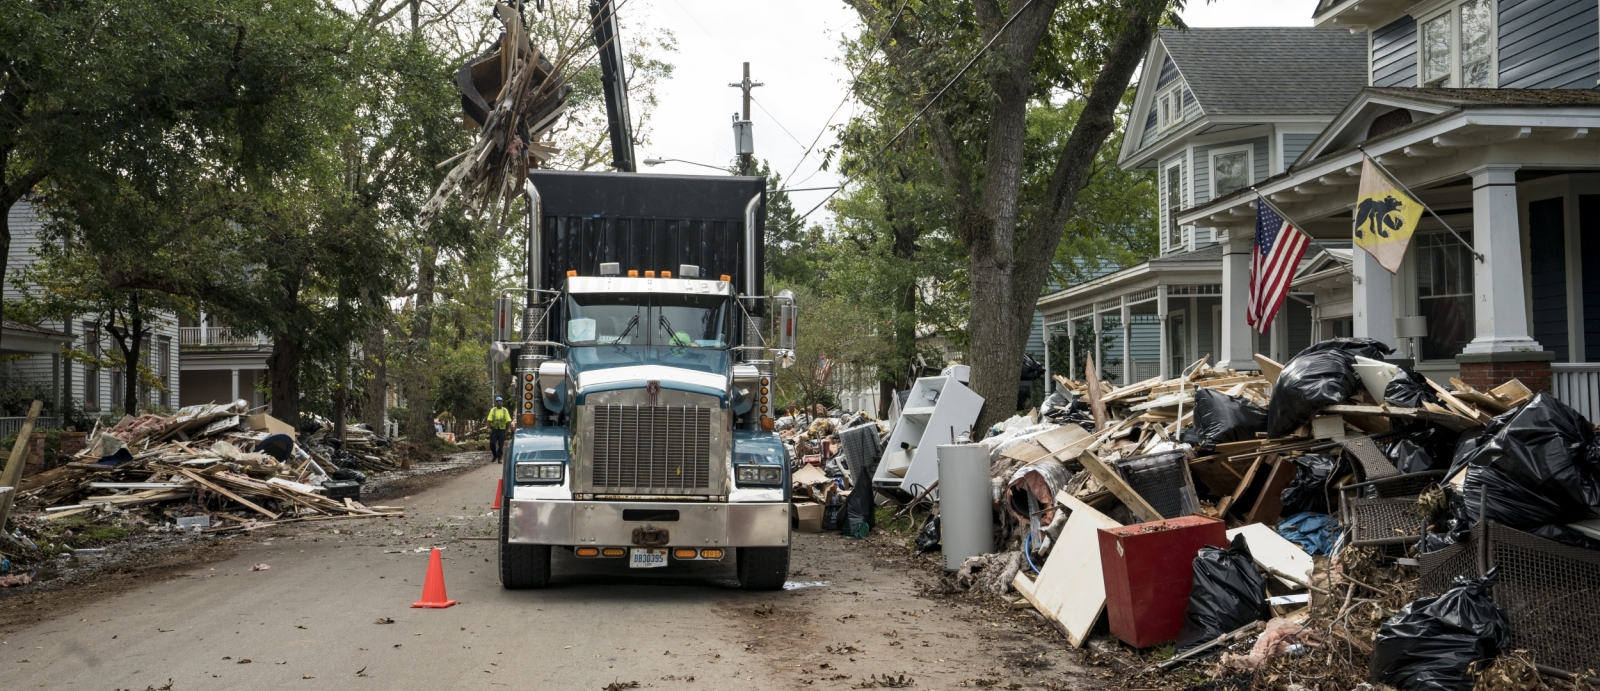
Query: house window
[(1174, 201), (1230, 172), (1444, 293), (1458, 46), (1169, 107), (91, 370)]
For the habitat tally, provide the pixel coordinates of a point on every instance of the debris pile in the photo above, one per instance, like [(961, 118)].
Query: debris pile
[(236, 470), (1316, 496)]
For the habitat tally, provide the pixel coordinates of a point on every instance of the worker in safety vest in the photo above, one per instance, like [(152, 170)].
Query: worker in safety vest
[(499, 421)]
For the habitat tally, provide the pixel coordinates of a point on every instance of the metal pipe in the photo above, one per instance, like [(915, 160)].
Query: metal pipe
[(535, 222), (750, 267)]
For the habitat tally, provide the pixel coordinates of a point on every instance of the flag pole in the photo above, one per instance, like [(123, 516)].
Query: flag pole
[(1392, 178), (1304, 231)]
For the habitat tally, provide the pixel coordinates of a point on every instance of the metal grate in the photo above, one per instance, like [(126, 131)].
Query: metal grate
[(1374, 466), (1379, 521), (1439, 569), (651, 449), (1551, 594), (1162, 479)]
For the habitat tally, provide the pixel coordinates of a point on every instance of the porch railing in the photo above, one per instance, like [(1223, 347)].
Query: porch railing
[(1577, 385), (13, 425), (218, 336)]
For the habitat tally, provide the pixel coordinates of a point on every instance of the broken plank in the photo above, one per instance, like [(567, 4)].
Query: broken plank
[(1269, 369), (1269, 505), (1096, 406), (1112, 480), (219, 490), (1457, 404)]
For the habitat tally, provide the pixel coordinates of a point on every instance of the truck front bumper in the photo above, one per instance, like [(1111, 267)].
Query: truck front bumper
[(608, 524)]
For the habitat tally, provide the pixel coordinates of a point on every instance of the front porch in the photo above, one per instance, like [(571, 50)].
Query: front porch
[(1515, 174)]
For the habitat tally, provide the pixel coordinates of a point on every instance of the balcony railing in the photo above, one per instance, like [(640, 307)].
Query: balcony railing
[(198, 336)]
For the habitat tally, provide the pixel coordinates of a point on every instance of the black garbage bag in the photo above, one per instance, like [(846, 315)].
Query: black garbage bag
[(858, 517), (1063, 409), (928, 536), (1409, 390), (1319, 376), (1312, 487), (1406, 455), (1531, 469), (1228, 593), (350, 474), (1220, 418), (1431, 643), (1365, 347)]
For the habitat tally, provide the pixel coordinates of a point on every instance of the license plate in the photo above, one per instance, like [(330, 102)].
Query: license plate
[(645, 558)]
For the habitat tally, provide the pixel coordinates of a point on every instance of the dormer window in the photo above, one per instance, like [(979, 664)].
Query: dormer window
[(1169, 107), (1457, 46)]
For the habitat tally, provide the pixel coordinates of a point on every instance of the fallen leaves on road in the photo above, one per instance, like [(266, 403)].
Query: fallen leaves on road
[(620, 685), (243, 661), (361, 672), (842, 649), (847, 616), (260, 567), (765, 610), (887, 681), (383, 620)]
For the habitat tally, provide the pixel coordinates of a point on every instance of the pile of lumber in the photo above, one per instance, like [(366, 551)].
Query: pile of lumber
[(196, 462)]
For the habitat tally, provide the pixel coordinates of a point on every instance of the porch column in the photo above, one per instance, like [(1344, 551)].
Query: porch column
[(1501, 348), (203, 330), (1237, 351), (1099, 357), (1072, 345), (1371, 298), (1049, 383), (1165, 348), (1127, 351), (235, 374)]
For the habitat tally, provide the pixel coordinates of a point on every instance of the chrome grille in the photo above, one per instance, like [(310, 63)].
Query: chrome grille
[(651, 449)]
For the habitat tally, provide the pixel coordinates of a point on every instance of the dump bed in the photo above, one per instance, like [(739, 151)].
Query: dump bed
[(649, 223)]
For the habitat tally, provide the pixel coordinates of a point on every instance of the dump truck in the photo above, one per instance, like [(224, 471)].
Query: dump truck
[(643, 380)]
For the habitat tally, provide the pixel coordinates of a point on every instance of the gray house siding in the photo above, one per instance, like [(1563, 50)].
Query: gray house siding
[(1394, 53), (1294, 145), (1169, 73), (1549, 44)]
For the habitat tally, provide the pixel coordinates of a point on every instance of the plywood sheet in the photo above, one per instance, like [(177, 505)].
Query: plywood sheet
[(1273, 551), (1070, 590)]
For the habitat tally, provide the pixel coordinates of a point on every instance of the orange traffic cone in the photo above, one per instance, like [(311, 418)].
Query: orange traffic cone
[(499, 489), (433, 596)]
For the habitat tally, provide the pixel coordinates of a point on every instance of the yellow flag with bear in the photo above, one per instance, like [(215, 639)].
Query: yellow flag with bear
[(1386, 217)]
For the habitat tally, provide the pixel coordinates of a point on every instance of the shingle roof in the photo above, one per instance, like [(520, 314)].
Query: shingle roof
[(1269, 70), (19, 326)]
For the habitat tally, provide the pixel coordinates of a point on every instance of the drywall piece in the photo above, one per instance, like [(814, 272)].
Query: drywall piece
[(1273, 551), (1070, 591), (937, 410)]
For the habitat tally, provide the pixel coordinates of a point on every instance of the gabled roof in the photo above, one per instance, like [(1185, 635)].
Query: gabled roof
[(1269, 70), (1349, 127)]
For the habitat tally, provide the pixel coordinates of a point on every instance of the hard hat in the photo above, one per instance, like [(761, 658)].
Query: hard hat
[(498, 399)]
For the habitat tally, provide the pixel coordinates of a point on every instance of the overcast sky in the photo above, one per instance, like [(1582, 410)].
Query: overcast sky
[(792, 47)]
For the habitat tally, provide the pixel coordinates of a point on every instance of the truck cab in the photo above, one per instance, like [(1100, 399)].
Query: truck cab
[(644, 432)]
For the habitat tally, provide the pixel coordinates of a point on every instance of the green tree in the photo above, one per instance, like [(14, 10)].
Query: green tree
[(979, 133)]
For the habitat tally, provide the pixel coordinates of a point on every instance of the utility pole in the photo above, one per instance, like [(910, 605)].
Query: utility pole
[(743, 139)]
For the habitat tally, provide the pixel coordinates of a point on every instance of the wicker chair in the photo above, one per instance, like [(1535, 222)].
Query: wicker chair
[(1381, 510)]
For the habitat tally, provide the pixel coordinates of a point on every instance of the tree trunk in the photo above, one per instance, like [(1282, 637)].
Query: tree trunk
[(283, 375), (419, 389), (375, 379), (341, 394)]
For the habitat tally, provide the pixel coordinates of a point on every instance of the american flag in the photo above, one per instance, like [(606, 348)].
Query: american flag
[(1273, 260)]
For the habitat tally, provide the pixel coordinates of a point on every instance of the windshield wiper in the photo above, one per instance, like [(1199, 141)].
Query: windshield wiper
[(672, 336), (631, 323)]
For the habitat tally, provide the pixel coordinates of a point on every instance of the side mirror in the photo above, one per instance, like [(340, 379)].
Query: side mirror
[(505, 314), (788, 315)]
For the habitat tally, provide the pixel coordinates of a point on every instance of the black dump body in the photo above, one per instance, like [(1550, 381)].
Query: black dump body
[(647, 223)]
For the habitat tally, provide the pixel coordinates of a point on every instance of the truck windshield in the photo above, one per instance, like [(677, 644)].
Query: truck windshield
[(686, 321)]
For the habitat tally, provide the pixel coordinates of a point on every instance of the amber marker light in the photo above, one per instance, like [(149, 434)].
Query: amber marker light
[(711, 554), (571, 273), (587, 551), (614, 552), (633, 273), (684, 553)]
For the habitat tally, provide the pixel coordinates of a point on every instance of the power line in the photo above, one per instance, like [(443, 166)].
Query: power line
[(775, 121), (893, 20), (963, 71)]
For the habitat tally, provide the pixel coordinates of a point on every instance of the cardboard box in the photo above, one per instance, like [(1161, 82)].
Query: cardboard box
[(808, 516), (262, 422)]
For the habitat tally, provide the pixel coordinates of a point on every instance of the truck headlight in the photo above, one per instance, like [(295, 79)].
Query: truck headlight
[(540, 472), (771, 475)]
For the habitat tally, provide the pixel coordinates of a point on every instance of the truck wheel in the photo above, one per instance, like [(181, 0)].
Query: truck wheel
[(763, 568), (521, 566)]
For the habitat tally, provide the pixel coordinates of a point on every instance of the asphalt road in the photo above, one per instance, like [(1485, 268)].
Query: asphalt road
[(310, 621)]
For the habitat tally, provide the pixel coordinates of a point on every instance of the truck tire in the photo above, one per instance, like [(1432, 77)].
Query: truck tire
[(521, 566), (763, 568)]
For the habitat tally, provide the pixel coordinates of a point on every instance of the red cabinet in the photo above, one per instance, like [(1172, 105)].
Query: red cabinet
[(1148, 569)]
